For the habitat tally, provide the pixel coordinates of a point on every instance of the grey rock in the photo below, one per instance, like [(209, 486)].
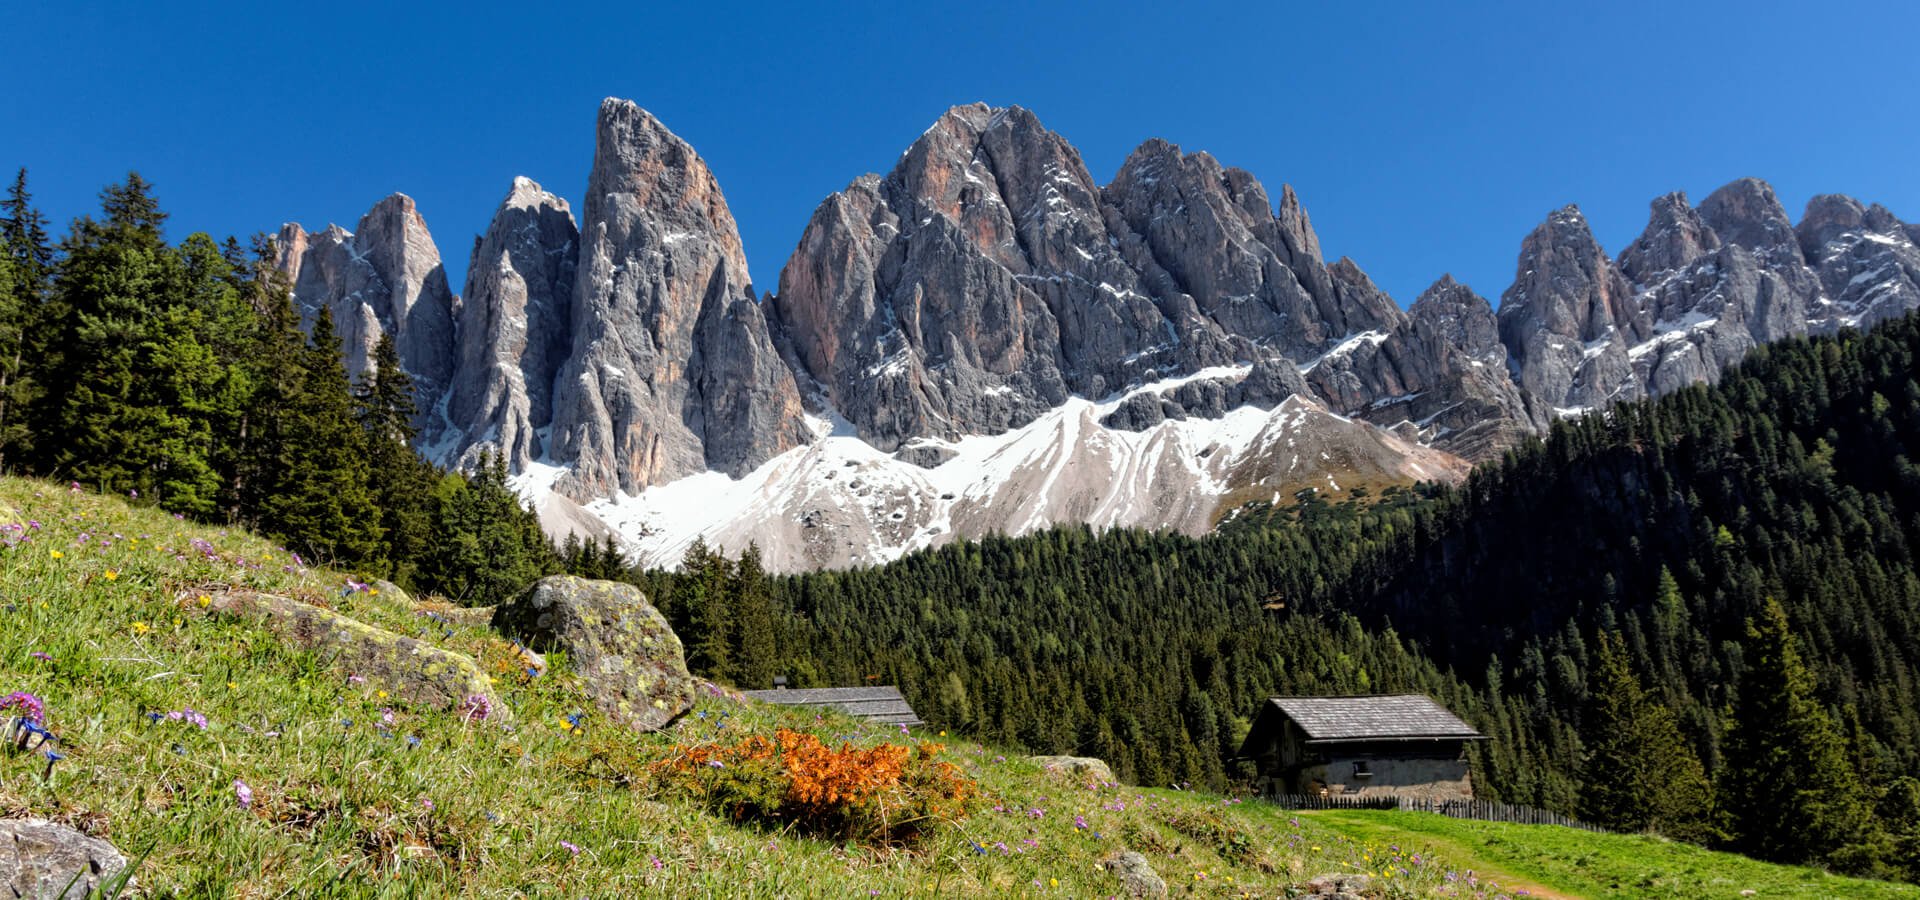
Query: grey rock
[(1338, 885), (1569, 318), (42, 859), (515, 328), (1137, 877), (1866, 260), (672, 371), (413, 670), (987, 278), (383, 277), (1076, 767), (629, 659)]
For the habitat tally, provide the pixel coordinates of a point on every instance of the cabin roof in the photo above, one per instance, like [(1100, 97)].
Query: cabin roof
[(1333, 720), (883, 704)]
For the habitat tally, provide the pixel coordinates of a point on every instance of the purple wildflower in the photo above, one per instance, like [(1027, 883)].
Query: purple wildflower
[(476, 707), (572, 847), (1079, 821), (41, 655), (188, 716), (242, 794), (31, 708)]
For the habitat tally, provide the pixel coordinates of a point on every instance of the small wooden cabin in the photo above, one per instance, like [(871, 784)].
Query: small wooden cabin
[(1402, 746), (882, 704)]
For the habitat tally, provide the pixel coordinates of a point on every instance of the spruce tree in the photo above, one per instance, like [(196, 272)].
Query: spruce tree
[(319, 500), (26, 265), (754, 656), (1639, 774), (401, 482), (1787, 788)]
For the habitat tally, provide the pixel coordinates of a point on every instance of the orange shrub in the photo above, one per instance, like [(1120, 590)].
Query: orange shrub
[(884, 793)]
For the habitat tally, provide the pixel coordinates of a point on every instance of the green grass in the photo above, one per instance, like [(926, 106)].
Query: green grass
[(347, 806), (1574, 863)]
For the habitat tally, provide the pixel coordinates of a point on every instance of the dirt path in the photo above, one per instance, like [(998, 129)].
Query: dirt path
[(1458, 854)]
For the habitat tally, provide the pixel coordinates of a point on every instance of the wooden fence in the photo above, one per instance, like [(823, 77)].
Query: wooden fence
[(1479, 810)]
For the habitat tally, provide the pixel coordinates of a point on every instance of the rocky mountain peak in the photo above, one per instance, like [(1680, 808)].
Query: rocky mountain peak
[(1675, 236), (514, 327), (1569, 317), (1746, 213), (669, 347), (383, 277)]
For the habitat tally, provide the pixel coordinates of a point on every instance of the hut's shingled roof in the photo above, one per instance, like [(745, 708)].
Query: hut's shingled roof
[(875, 704), (1392, 717)]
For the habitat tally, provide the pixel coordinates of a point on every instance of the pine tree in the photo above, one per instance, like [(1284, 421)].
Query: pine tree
[(486, 546), (1787, 788), (706, 602), (26, 265), (1639, 773), (754, 656), (401, 482), (319, 500), (139, 391)]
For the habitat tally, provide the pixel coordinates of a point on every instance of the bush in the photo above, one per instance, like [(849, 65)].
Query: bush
[(884, 793)]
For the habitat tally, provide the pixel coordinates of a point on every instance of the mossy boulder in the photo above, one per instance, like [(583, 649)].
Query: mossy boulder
[(622, 648), (1084, 768), (413, 671), (39, 858), (1137, 877)]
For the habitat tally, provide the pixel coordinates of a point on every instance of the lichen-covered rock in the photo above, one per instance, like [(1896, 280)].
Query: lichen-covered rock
[(1340, 886), (1077, 767), (39, 858), (621, 647), (414, 671), (1137, 877)]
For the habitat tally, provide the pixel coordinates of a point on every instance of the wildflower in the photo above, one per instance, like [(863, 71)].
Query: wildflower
[(134, 494), (112, 575), (52, 758), (476, 707), (355, 679), (30, 707), (56, 554), (571, 847), (204, 601), (242, 794), (426, 804), (1080, 822), (715, 764), (903, 728), (413, 740), (141, 628), (188, 716), (41, 655), (655, 862), (380, 695), (386, 718)]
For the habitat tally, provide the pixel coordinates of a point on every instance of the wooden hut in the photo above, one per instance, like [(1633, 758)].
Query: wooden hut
[(1402, 745)]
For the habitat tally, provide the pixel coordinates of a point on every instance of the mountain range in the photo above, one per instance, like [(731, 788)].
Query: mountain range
[(985, 339)]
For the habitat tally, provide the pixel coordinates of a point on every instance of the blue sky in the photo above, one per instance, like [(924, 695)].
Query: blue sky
[(1422, 138)]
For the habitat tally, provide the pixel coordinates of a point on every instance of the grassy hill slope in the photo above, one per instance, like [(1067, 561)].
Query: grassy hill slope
[(356, 794)]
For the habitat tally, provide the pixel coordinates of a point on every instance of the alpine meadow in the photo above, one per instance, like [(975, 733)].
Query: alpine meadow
[(1064, 511)]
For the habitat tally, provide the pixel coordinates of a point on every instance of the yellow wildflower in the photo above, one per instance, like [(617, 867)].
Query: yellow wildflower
[(231, 685), (380, 694), (204, 601), (141, 628), (56, 554), (112, 575)]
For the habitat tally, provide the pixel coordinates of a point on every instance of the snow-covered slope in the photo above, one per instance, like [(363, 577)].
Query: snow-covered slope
[(841, 502)]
